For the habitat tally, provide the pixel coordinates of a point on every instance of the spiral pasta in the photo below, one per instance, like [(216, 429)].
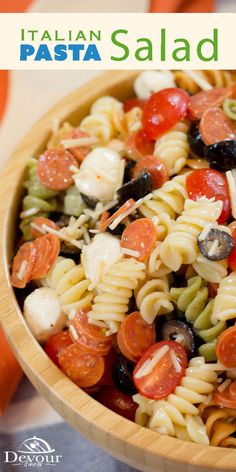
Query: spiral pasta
[(39, 200), (180, 245), (216, 78), (153, 299), (211, 271), (133, 120), (114, 291), (193, 301), (224, 307), (56, 137), (173, 148), (179, 407), (154, 265), (166, 201), (152, 81), (220, 425), (111, 109), (70, 284), (229, 107)]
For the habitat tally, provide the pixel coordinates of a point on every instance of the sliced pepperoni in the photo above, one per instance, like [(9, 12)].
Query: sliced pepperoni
[(135, 336), (140, 236), (126, 206), (39, 221), (138, 145), (226, 347), (79, 152), (90, 329), (88, 337), (22, 265), (83, 368), (41, 263), (102, 226), (216, 126), (156, 168), (56, 344), (54, 249), (54, 169), (200, 102), (227, 398)]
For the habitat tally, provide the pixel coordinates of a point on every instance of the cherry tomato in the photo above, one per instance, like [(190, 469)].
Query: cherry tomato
[(56, 344), (227, 398), (209, 183), (117, 401), (138, 145), (163, 110), (156, 168), (164, 376), (140, 236), (133, 102), (232, 256), (226, 347)]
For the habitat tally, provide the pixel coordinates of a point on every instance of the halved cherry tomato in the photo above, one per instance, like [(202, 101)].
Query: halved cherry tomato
[(56, 344), (23, 263), (87, 336), (209, 183), (119, 402), (200, 102), (164, 376), (226, 347), (102, 225), (126, 206), (135, 336), (232, 256), (163, 110), (133, 102), (138, 145), (54, 169), (156, 168), (84, 368), (215, 126), (140, 236), (41, 263), (39, 221), (109, 360), (79, 152), (227, 398)]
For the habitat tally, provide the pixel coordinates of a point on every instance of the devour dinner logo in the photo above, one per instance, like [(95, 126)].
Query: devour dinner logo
[(33, 452)]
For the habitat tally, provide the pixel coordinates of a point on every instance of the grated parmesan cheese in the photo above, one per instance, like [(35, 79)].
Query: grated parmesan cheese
[(130, 252), (21, 272), (203, 235), (149, 365), (29, 212), (232, 191), (62, 236), (72, 314), (86, 235), (38, 228), (98, 323), (214, 248), (73, 169), (175, 361), (86, 141), (100, 209), (73, 332), (128, 212), (203, 84), (224, 385)]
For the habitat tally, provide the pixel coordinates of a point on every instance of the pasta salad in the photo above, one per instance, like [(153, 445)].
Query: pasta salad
[(126, 262)]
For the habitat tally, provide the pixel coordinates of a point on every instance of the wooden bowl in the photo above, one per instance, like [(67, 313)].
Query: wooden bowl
[(135, 445)]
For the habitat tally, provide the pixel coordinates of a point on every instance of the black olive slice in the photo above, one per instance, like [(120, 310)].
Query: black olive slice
[(221, 156), (91, 202), (195, 140), (216, 245), (122, 375), (175, 330), (67, 250), (136, 188), (128, 171)]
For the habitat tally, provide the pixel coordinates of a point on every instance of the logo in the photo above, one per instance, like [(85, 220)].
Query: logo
[(33, 452)]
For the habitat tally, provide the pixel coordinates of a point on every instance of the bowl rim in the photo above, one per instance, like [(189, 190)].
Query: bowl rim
[(126, 440)]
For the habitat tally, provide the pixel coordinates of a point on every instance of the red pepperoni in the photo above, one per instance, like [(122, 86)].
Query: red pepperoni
[(39, 221), (84, 368), (56, 344), (53, 169), (135, 336), (79, 152), (89, 337), (41, 264), (216, 126), (22, 265), (200, 102), (126, 206), (54, 248), (140, 236), (138, 145)]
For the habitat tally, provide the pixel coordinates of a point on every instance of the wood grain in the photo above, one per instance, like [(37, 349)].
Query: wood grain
[(137, 446)]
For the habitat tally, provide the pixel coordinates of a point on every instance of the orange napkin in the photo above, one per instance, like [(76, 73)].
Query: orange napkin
[(182, 6), (10, 373)]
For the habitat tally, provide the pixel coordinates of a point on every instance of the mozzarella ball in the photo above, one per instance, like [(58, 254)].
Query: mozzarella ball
[(43, 313), (152, 81), (100, 255), (100, 174)]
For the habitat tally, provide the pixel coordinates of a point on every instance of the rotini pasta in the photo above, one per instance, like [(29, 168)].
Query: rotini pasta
[(229, 107), (152, 81), (211, 271), (173, 148), (112, 110), (153, 299), (155, 267), (216, 78), (193, 301), (220, 425), (224, 307), (69, 282), (114, 291), (180, 245)]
